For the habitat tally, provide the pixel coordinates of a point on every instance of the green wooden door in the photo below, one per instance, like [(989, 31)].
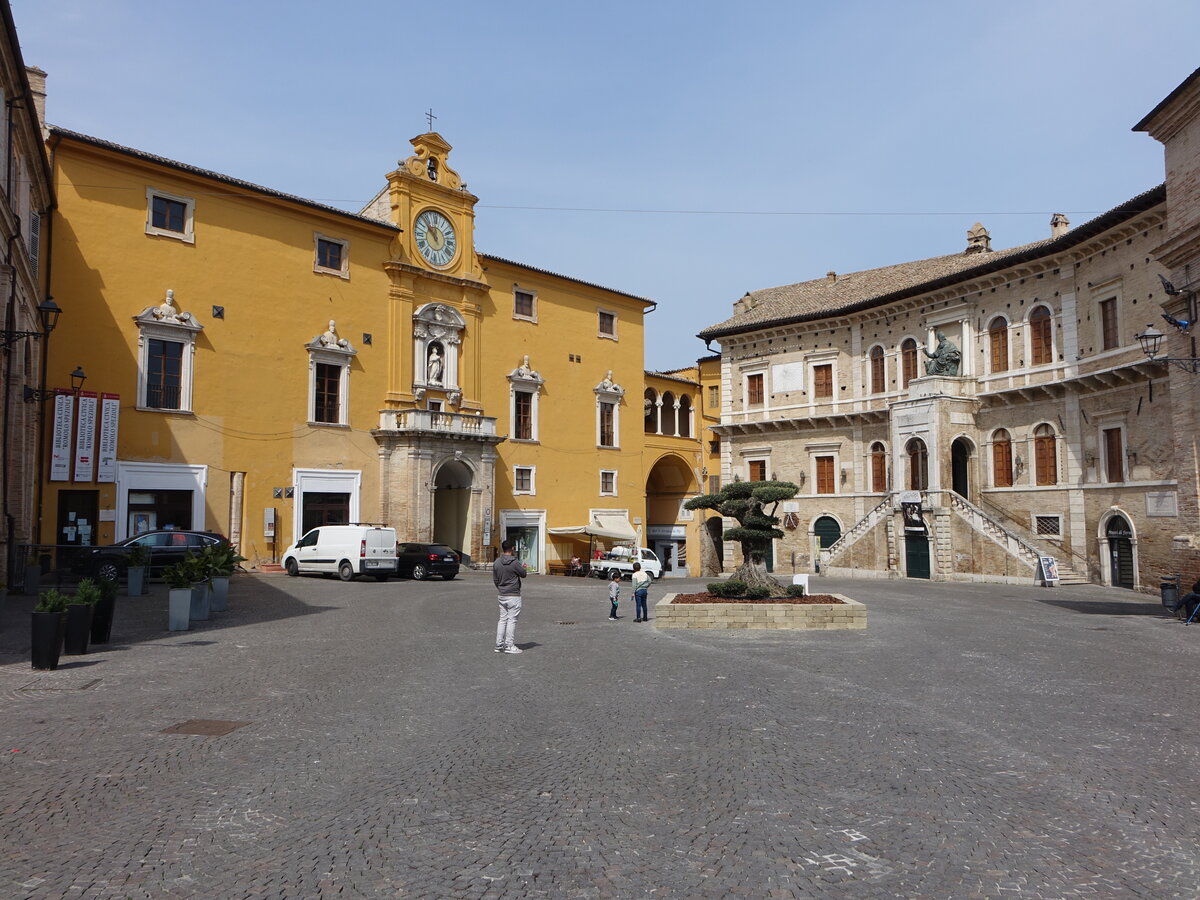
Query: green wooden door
[(916, 555)]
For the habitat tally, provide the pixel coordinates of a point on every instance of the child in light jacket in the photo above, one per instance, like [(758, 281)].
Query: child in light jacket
[(641, 586), (614, 593)]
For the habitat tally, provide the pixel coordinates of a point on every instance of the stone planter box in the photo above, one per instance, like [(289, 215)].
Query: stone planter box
[(813, 616)]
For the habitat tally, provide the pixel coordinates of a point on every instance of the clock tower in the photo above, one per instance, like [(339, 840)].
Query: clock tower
[(437, 449)]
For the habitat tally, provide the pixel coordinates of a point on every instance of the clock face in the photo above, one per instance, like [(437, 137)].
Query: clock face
[(435, 237)]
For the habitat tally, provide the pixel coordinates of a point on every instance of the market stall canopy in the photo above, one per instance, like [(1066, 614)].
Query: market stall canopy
[(615, 527)]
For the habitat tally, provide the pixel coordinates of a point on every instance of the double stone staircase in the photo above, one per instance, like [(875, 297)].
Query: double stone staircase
[(1014, 540)]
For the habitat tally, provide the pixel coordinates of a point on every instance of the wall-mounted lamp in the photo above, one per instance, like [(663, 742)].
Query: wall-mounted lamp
[(78, 377), (1151, 340), (48, 313)]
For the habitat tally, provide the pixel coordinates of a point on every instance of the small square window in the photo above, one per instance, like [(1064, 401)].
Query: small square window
[(758, 469), (608, 482), (1050, 526), (523, 479), (169, 216), (332, 256), (524, 305), (754, 389), (607, 324)]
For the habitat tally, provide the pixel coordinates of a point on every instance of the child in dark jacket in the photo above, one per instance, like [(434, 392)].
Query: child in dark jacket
[(614, 593)]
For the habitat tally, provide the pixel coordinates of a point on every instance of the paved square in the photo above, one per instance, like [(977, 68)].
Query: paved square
[(974, 741)]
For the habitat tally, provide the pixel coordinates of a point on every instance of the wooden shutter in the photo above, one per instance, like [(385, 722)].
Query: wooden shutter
[(1110, 333), (758, 470), (1002, 471), (1114, 456), (754, 389), (878, 375), (1045, 459), (878, 471), (823, 381), (1041, 349), (908, 358), (998, 339), (825, 482)]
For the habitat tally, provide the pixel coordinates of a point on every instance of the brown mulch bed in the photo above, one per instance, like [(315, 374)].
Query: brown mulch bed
[(709, 598)]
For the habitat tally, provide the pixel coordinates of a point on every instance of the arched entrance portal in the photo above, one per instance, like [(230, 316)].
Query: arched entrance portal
[(452, 506), (960, 458), (826, 530), (1120, 552), (669, 483)]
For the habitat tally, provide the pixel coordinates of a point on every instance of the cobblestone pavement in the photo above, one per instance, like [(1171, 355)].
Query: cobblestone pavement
[(975, 741)]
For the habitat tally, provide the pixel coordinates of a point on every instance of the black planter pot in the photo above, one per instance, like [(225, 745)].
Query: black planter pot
[(47, 639), (78, 629), (102, 620)]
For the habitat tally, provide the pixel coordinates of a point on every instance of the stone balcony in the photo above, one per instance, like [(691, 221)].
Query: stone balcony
[(444, 424)]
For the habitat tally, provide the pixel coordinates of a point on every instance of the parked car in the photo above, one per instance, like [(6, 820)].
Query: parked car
[(421, 561), (164, 548), (346, 550)]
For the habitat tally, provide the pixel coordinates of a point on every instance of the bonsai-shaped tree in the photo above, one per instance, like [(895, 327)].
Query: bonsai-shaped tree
[(746, 501)]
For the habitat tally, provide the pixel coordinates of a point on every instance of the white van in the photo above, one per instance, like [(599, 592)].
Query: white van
[(348, 550)]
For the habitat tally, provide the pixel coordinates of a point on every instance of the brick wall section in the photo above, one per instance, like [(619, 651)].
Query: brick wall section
[(849, 614)]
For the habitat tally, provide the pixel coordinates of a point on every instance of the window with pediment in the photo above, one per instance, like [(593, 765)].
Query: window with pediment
[(329, 358), (524, 389), (166, 356), (608, 412)]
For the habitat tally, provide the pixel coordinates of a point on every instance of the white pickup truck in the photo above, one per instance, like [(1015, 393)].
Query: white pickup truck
[(621, 559)]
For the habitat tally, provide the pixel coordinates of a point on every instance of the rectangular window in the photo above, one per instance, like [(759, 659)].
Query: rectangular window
[(823, 381), (758, 469), (1050, 526), (329, 254), (164, 374), (1110, 335), (169, 216), (825, 477), (523, 480), (327, 394), (714, 397), (1114, 455), (1002, 467), (524, 306), (607, 324), (879, 472), (607, 424), (998, 340), (714, 484), (608, 483), (754, 389), (523, 415)]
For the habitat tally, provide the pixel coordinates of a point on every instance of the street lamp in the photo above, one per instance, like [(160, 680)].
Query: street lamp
[(78, 377), (48, 313), (1151, 340)]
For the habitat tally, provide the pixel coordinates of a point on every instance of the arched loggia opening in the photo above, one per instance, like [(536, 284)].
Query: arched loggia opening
[(452, 505)]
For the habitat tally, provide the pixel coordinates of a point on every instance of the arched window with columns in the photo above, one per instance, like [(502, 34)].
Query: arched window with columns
[(651, 404), (685, 416)]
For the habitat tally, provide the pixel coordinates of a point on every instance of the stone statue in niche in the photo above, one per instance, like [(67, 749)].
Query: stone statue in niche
[(945, 358), (435, 366)]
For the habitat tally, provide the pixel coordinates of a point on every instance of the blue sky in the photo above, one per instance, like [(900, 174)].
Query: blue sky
[(683, 151)]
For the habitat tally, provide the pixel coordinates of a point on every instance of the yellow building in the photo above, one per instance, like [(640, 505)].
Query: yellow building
[(262, 364)]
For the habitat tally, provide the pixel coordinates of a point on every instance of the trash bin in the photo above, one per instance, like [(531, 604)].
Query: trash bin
[(1170, 592)]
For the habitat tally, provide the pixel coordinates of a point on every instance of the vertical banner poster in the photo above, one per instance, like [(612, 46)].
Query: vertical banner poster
[(110, 411), (85, 437), (60, 452)]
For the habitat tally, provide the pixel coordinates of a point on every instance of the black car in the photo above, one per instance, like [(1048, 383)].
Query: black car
[(426, 560), (163, 548)]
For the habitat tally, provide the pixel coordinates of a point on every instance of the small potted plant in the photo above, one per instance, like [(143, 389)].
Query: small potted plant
[(201, 587), (222, 559), (179, 595), (47, 631), (136, 571), (33, 573), (102, 615), (80, 609)]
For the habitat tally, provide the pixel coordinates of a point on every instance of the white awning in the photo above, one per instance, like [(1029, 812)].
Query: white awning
[(615, 527)]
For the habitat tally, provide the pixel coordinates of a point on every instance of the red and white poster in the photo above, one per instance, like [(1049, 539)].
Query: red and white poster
[(85, 437), (110, 411), (60, 452)]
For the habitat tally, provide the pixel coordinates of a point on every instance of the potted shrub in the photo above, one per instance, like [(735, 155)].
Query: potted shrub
[(102, 615), (137, 571), (201, 587), (33, 573), (179, 595), (47, 629), (222, 559), (80, 608)]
